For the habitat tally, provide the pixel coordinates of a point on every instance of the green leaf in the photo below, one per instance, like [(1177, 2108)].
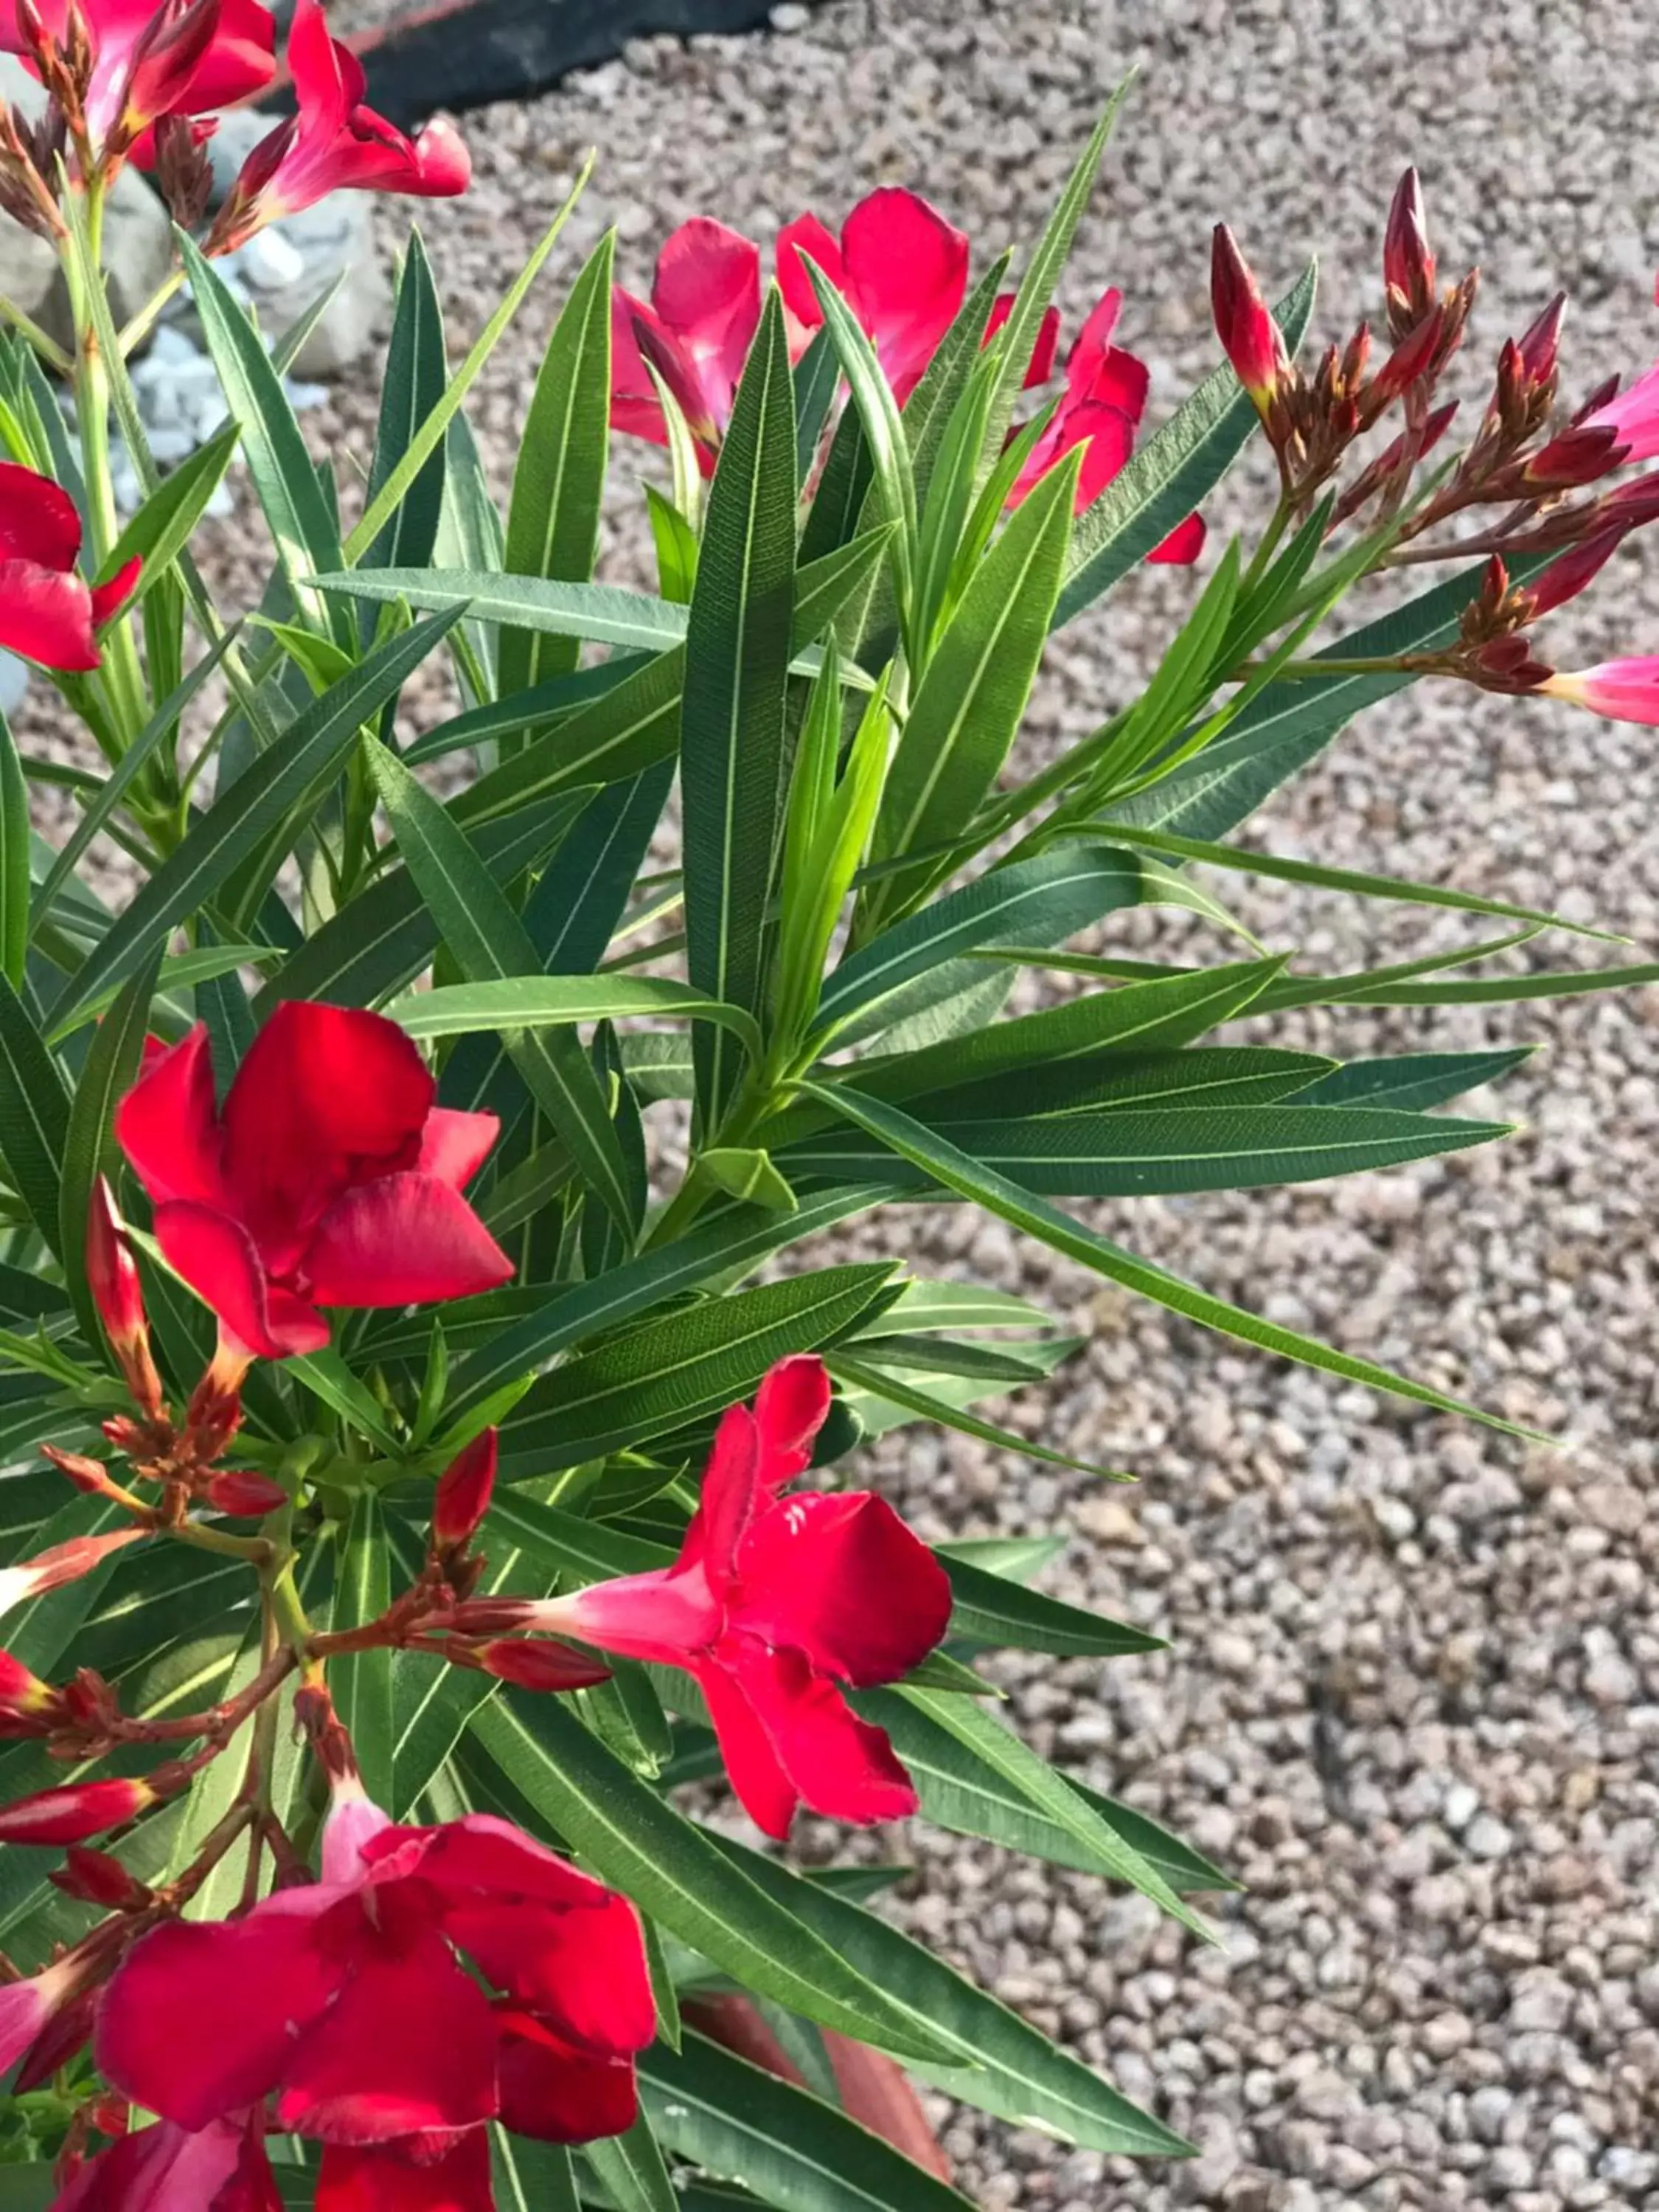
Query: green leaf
[(884, 435), (958, 1171), (416, 372), (536, 1001), (553, 519), (1175, 470), (111, 1067), (683, 1367), (34, 1114), (490, 943), (15, 849), (718, 1247), (882, 1382), (967, 711), (1503, 990), (432, 432), (164, 525), (738, 645), (1054, 894), (1416, 1081), (792, 2149), (362, 1680), (746, 1171), (630, 2169), (1129, 1153), (274, 789), (302, 523), (604, 614), (991, 1609), (1141, 1018), (1017, 2072), (329, 1380), (531, 2176), (624, 1832)]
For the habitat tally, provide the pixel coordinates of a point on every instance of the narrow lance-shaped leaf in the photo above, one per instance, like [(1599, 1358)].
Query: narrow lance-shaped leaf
[(417, 371), (490, 944), (14, 860), (35, 1113), (553, 520), (110, 1067), (737, 651)]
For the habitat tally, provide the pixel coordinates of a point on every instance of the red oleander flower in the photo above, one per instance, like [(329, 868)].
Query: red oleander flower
[(899, 265), (180, 58), (772, 1604), (1622, 690), (334, 143), (696, 330), (1244, 323), (1101, 409), (328, 1178), (48, 612), (346, 2002), (223, 2168)]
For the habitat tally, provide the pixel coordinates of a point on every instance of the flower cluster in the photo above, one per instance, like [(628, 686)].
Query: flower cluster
[(1523, 464), (902, 270), (424, 1982), (145, 83)]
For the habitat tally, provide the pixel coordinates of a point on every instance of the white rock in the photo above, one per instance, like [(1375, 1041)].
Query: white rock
[(14, 682)]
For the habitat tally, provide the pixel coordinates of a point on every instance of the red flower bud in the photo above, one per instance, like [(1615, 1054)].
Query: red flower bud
[(242, 1493), (1243, 321), (64, 2033), (1408, 263), (97, 1877), (1415, 353), (27, 1704), (1540, 345), (113, 1279), (1564, 578), (84, 1808), (64, 1563), (1575, 457), (462, 1498), (90, 1476), (542, 1666)]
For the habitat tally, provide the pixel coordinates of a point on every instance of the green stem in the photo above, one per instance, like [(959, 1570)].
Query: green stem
[(48, 348), (135, 331), (123, 675), (1269, 545)]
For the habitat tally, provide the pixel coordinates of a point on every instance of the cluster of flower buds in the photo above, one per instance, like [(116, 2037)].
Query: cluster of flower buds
[(1313, 422)]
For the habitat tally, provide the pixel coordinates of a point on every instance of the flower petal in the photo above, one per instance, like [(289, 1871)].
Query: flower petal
[(480, 1854), (46, 616), (408, 2048), (160, 2169), (40, 523), (582, 1969), (217, 1257), (402, 1240), (167, 1124), (108, 599), (201, 2017), (907, 270), (359, 2178), (752, 1765), (707, 291), (842, 1767), (1184, 542), (1041, 366), (242, 61), (791, 1406), (806, 233), (555, 2094), (727, 1499), (843, 1580), (326, 1096), (454, 1145)]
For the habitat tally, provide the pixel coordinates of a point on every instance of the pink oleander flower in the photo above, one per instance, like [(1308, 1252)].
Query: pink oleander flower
[(345, 2000), (1244, 323), (773, 1604), (28, 2006), (899, 265), (334, 143), (1622, 690), (330, 1176), (48, 612), (1634, 417), (1101, 409), (180, 58), (695, 330)]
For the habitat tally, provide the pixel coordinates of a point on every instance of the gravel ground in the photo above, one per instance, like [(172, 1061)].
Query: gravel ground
[(1413, 1693)]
